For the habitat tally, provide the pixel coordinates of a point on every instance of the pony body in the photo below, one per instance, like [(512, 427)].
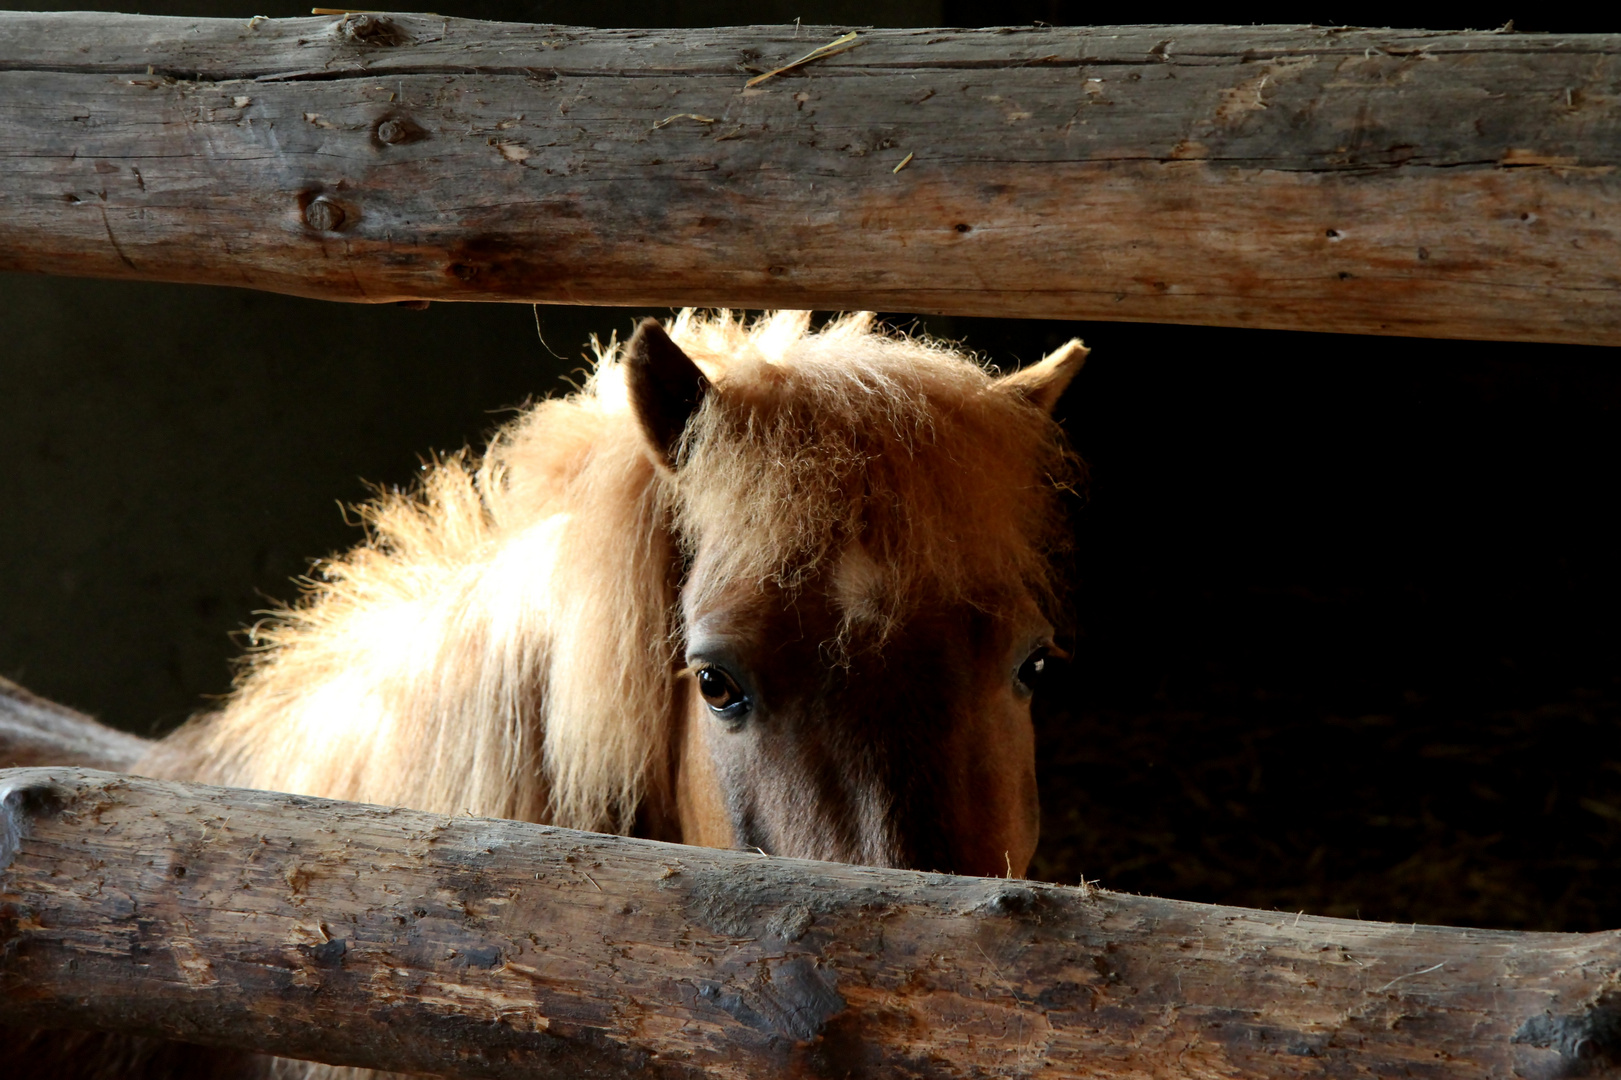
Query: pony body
[(516, 638)]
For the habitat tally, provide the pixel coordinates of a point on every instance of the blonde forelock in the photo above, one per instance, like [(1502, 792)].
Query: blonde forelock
[(811, 442)]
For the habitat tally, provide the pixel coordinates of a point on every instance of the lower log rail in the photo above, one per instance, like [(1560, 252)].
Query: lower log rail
[(363, 935)]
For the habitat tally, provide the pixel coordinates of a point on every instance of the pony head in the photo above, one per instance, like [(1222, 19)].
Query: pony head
[(865, 525), (750, 586)]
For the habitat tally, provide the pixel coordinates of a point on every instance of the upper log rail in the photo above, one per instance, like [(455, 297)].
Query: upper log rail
[(390, 938), (1371, 181)]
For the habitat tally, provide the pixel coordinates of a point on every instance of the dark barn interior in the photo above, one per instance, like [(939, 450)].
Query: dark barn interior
[(1343, 609)]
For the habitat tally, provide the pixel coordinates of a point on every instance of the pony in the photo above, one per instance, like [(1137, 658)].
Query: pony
[(752, 585)]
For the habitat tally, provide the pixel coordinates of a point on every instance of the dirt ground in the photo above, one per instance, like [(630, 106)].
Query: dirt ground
[(1507, 815)]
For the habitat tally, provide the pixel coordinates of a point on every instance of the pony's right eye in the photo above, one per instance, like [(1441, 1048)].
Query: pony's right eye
[(721, 693)]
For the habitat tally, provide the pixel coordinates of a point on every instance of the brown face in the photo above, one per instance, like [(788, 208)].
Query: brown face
[(919, 753), (910, 747)]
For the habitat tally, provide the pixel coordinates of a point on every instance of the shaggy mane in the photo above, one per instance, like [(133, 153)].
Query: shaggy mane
[(900, 447), (505, 641)]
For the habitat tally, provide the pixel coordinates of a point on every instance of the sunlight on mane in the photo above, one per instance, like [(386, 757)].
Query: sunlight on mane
[(505, 641)]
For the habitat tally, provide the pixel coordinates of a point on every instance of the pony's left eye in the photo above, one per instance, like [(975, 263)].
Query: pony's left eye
[(721, 693), (1034, 670)]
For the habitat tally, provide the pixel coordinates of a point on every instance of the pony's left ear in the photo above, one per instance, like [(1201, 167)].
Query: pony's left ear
[(666, 388), (1043, 384)]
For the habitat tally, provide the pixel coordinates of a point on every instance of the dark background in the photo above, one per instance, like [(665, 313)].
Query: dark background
[(1344, 619)]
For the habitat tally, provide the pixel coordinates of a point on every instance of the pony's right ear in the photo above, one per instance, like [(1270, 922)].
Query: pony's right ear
[(666, 388)]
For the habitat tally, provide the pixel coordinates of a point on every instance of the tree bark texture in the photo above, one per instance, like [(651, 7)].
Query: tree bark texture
[(1371, 181), (365, 935), (34, 731)]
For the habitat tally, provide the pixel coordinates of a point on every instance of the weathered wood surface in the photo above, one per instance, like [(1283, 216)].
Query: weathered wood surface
[(1375, 181), (468, 947), (34, 731)]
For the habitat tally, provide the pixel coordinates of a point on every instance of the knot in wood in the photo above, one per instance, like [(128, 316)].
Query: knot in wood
[(1588, 1041), (365, 28), (397, 129), (323, 215), (1010, 900)]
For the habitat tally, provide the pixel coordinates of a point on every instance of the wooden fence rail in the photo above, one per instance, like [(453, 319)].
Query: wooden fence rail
[(1372, 181), (390, 938), (34, 731)]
